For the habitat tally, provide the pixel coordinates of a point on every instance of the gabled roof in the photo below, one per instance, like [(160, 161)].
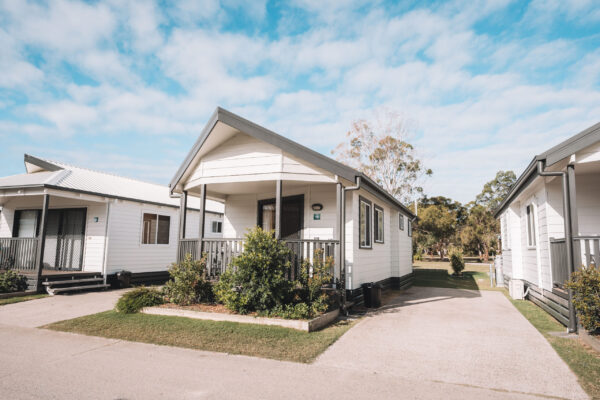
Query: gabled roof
[(58, 175), (289, 146), (565, 149)]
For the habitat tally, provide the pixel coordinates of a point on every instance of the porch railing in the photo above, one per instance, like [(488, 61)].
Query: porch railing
[(18, 253), (558, 257), (589, 250), (219, 252)]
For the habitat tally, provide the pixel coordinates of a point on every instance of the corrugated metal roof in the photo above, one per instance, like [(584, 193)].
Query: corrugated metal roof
[(101, 183)]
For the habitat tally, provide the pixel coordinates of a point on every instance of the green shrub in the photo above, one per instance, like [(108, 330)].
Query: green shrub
[(418, 257), (456, 261), (12, 281), (585, 285), (257, 280), (188, 284), (133, 301)]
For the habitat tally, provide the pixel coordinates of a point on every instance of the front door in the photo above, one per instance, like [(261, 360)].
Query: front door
[(65, 234), (292, 216)]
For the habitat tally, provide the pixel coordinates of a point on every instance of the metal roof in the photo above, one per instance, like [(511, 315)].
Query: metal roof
[(287, 145), (565, 149), (59, 175)]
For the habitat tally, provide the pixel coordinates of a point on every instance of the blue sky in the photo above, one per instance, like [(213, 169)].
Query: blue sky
[(126, 87)]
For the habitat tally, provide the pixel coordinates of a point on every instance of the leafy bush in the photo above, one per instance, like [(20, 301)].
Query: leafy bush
[(12, 281), (585, 285), (188, 284), (418, 257), (456, 261), (257, 280), (133, 301)]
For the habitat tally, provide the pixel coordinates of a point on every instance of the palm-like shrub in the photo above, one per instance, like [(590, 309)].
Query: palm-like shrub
[(257, 279), (456, 261), (585, 285), (134, 300), (188, 283)]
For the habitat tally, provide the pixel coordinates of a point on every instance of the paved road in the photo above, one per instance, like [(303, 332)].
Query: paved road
[(451, 357)]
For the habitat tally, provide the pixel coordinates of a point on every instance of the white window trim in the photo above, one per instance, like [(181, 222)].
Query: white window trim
[(376, 209), (370, 212), (401, 221), (534, 224), (141, 241)]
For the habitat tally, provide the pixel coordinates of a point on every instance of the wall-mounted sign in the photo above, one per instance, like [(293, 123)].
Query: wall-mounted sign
[(317, 216)]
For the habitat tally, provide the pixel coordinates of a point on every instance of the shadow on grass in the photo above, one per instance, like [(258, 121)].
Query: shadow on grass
[(441, 278)]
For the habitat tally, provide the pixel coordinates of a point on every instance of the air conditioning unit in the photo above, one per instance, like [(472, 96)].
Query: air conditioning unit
[(516, 289)]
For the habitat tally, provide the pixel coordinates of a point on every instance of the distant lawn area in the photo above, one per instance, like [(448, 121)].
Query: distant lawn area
[(439, 274), (226, 337), (18, 299)]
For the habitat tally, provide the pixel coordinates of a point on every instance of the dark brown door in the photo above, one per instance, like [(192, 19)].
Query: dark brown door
[(292, 216)]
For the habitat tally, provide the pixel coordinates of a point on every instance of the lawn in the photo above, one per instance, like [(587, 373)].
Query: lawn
[(583, 361), (227, 337), (439, 274), (19, 299)]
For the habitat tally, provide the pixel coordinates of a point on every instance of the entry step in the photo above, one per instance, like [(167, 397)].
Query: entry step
[(71, 281), (52, 291)]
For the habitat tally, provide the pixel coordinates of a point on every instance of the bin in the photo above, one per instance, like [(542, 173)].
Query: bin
[(124, 279), (372, 295)]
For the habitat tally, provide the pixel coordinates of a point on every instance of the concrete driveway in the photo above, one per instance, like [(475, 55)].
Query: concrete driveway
[(462, 337), (430, 344)]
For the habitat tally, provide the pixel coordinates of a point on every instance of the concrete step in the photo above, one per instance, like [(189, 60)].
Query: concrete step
[(52, 291), (71, 281)]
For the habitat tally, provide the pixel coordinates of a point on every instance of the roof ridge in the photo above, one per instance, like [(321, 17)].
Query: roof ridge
[(63, 164)]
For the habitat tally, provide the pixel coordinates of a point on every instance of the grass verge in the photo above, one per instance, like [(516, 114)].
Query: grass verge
[(12, 300), (439, 274), (583, 361), (228, 337)]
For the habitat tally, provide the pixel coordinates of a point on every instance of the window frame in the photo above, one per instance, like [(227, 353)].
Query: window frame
[(530, 225), (409, 227), (219, 224), (158, 216), (369, 225), (401, 221), (376, 210)]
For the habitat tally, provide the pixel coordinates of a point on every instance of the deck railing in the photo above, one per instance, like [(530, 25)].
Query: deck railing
[(220, 251), (586, 253), (589, 250), (18, 253)]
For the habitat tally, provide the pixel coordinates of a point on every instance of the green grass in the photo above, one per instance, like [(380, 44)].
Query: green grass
[(584, 362), (439, 274), (228, 337), (12, 300)]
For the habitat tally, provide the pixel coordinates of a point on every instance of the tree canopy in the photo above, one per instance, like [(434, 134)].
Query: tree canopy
[(496, 190), (380, 150)]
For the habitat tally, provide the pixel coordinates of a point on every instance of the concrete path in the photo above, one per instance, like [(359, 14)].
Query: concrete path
[(34, 313), (462, 337), (437, 344)]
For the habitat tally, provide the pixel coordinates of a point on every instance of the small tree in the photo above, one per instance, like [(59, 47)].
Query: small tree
[(585, 285), (496, 190), (456, 261), (188, 283), (480, 231), (258, 279)]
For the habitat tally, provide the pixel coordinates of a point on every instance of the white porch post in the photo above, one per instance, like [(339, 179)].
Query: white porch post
[(338, 229), (42, 242), (575, 263), (182, 222), (278, 190), (201, 219)]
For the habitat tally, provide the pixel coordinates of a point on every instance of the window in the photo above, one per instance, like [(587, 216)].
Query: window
[(530, 226), (364, 219), (26, 223), (217, 226), (378, 220), (401, 221), (156, 229), (409, 227)]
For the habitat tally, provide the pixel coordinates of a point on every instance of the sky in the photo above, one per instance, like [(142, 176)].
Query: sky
[(126, 87)]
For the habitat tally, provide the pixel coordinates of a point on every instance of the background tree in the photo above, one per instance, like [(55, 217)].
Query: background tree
[(480, 232), (496, 190), (437, 225), (380, 150)]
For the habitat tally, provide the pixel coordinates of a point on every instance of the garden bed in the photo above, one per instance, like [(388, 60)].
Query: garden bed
[(214, 313)]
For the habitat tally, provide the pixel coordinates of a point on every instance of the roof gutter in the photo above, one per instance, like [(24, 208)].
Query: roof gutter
[(541, 165)]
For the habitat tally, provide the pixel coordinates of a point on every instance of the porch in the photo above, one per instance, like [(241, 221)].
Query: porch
[(307, 218)]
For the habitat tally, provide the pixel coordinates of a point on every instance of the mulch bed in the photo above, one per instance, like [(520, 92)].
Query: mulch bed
[(213, 308)]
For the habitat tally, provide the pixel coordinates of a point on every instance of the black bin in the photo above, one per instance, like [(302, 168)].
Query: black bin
[(372, 295), (124, 279)]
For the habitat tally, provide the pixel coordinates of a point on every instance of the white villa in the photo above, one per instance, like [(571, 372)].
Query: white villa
[(550, 223), (60, 223), (307, 199)]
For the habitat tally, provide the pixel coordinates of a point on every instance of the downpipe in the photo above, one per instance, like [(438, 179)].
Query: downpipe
[(343, 241), (572, 327)]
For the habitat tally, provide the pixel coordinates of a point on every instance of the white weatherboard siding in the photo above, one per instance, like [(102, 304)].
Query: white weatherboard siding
[(405, 250), (244, 158), (351, 211), (7, 216), (192, 229), (588, 203), (125, 248)]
